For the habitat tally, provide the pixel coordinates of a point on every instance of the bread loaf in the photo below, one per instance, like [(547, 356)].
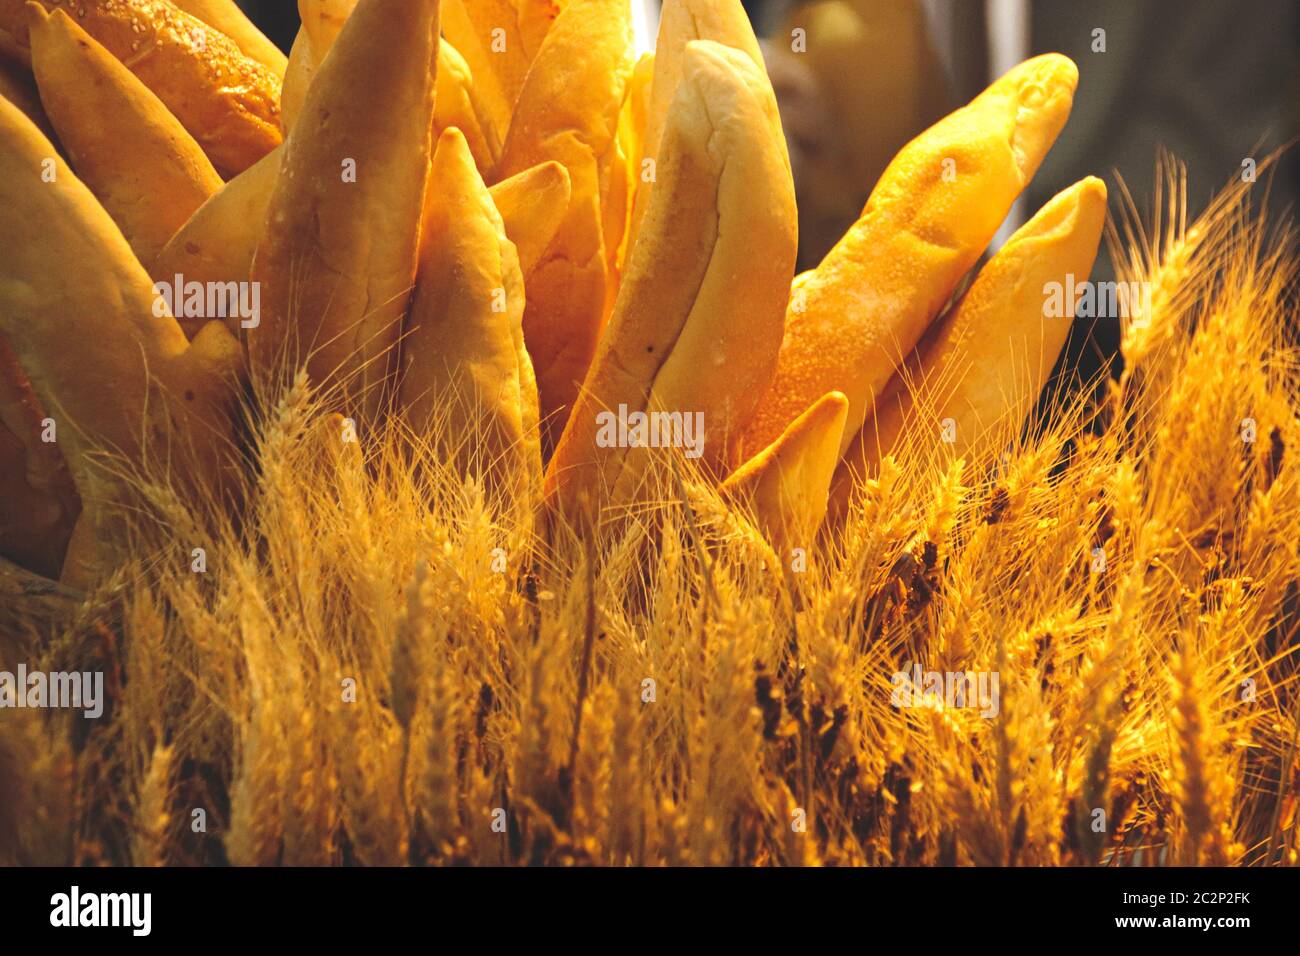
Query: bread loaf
[(927, 222), (982, 366), (106, 362), (697, 323), (568, 112), (532, 205), (137, 159), (217, 243), (786, 484), (225, 15), (229, 103), (337, 260), (463, 355)]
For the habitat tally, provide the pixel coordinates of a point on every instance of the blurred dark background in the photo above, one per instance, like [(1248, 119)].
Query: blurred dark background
[(278, 19), (1212, 81)]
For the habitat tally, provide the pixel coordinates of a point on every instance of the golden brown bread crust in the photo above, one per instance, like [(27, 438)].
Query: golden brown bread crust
[(568, 112), (787, 483), (322, 21), (698, 318), (499, 40), (984, 363), (337, 261), (217, 243), (463, 357), (457, 104), (616, 198), (630, 142), (532, 205), (929, 218), (229, 103), (298, 74), (133, 154), (93, 344), (226, 16), (47, 304), (457, 98), (680, 23)]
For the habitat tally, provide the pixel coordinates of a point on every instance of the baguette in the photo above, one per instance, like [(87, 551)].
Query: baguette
[(985, 362), (82, 319), (337, 261), (463, 353), (698, 319), (457, 104), (137, 159), (532, 205), (567, 112), (456, 99), (321, 22), (928, 220), (681, 22), (298, 74), (216, 244), (225, 16), (787, 483), (500, 40), (631, 140), (619, 182), (229, 103)]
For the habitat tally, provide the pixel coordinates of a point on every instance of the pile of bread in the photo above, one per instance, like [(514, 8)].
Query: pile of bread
[(488, 217)]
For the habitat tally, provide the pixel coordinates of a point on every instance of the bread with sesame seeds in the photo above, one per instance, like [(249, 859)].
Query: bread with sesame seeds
[(229, 102)]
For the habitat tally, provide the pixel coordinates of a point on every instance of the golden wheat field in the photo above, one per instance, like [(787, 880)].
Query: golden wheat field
[(366, 584)]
